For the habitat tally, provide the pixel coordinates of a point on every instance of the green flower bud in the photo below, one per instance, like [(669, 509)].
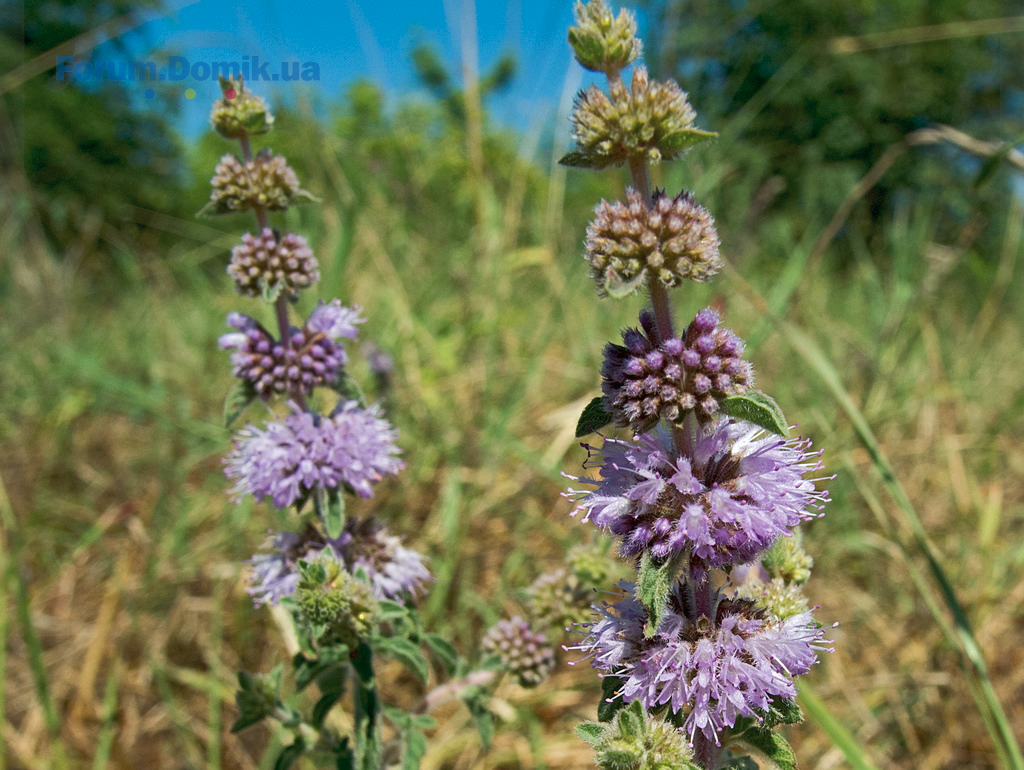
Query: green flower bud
[(602, 42), (334, 604), (634, 741), (650, 120), (244, 113), (267, 181), (781, 599), (788, 560), (559, 599)]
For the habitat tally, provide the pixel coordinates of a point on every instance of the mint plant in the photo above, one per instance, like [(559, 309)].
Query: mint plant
[(699, 652), (347, 584)]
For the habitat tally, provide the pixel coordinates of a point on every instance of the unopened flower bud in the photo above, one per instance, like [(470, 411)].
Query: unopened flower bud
[(525, 653), (644, 382), (603, 42), (649, 120), (244, 113), (788, 560), (670, 239), (335, 603), (262, 266), (635, 741), (266, 182)]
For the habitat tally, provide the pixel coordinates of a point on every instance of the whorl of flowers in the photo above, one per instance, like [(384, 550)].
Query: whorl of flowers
[(644, 382), (267, 182), (243, 114), (649, 119), (713, 670), (671, 240), (601, 41), (286, 461), (313, 358), (394, 571), (726, 496), (260, 265), (523, 652)]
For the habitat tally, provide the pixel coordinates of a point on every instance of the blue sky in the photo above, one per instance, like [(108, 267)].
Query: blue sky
[(349, 39)]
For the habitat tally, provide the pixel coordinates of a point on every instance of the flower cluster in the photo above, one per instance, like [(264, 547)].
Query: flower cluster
[(393, 570), (728, 493), (312, 357), (603, 42), (670, 240), (262, 265), (243, 114), (712, 669), (265, 182), (523, 652), (649, 119), (286, 461), (644, 382)]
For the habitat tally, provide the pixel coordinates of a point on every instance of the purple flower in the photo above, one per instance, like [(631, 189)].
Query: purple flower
[(394, 571), (714, 671), (731, 490), (313, 358), (285, 461)]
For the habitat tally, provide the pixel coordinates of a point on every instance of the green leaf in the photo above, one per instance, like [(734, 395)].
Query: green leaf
[(617, 287), (591, 732), (348, 390), (272, 292), (783, 711), (388, 610), (593, 418), (323, 707), (766, 745), (758, 408), (289, 754), (443, 650), (680, 140), (239, 397), (246, 718), (408, 653), (620, 758), (611, 701), (653, 584), (578, 159), (415, 748), (330, 507), (482, 716)]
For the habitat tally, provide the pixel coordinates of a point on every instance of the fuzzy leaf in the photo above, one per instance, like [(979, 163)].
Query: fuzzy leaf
[(330, 507), (769, 746), (443, 650), (388, 610), (652, 589), (758, 408), (632, 720), (680, 140), (591, 732), (408, 653), (617, 288), (579, 159), (593, 418), (482, 716), (611, 701), (239, 397), (783, 711)]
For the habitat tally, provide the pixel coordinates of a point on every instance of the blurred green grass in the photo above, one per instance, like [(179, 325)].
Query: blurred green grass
[(125, 614)]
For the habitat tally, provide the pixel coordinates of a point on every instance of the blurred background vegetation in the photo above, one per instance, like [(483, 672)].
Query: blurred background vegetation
[(873, 278)]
